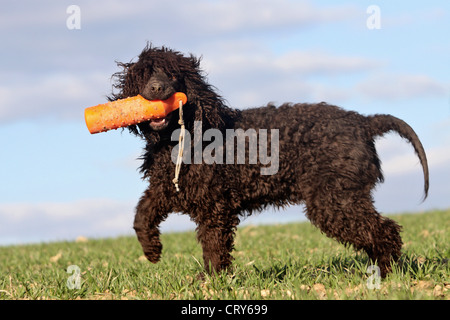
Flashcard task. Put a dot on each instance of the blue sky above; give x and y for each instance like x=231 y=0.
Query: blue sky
x=59 y=182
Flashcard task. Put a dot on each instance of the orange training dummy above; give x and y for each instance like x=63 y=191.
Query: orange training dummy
x=129 y=111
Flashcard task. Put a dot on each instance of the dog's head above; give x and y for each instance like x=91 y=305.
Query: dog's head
x=158 y=74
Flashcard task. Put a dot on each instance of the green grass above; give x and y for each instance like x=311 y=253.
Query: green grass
x=293 y=261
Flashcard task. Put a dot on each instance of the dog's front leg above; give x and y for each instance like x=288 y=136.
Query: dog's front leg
x=217 y=240
x=146 y=224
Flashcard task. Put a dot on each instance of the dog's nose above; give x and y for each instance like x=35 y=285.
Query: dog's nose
x=156 y=88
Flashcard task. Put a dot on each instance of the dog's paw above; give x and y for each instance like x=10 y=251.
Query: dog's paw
x=201 y=276
x=153 y=257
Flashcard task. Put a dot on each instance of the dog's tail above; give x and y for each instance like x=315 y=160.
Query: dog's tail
x=381 y=124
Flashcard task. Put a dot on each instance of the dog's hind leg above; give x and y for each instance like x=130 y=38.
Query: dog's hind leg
x=149 y=214
x=350 y=217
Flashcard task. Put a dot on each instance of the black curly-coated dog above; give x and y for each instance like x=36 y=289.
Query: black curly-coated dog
x=320 y=155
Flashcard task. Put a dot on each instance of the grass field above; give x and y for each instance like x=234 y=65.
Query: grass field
x=293 y=261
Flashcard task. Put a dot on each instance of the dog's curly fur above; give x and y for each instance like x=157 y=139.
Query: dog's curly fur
x=327 y=160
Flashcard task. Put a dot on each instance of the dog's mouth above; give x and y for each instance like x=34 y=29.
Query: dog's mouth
x=160 y=123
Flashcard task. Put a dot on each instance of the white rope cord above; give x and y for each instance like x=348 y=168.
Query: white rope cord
x=180 y=149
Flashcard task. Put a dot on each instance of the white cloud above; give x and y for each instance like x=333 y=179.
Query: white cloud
x=238 y=15
x=55 y=221
x=29 y=14
x=57 y=95
x=403 y=187
x=398 y=157
x=401 y=86
x=30 y=222
x=212 y=17
x=245 y=78
x=249 y=74
x=237 y=57
x=62 y=211
x=207 y=17
x=64 y=53
x=407 y=18
x=318 y=62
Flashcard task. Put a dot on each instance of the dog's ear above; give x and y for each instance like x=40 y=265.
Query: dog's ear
x=207 y=106
x=124 y=81
x=123 y=85
x=195 y=63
